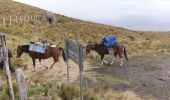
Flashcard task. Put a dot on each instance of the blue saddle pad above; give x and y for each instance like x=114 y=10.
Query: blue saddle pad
x=109 y=41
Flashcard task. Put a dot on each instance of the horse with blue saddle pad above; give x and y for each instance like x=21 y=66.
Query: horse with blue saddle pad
x=108 y=43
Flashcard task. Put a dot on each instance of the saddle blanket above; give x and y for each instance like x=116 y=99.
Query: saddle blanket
x=37 y=47
x=109 y=41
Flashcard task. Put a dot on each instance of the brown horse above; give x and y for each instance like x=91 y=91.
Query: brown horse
x=102 y=51
x=53 y=52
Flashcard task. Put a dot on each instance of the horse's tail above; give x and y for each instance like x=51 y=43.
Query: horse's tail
x=63 y=53
x=125 y=53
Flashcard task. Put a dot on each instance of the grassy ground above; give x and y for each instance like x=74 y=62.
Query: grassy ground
x=58 y=91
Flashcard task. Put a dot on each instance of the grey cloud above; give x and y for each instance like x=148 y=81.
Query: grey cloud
x=133 y=14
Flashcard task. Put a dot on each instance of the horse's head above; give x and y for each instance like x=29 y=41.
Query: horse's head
x=19 y=51
x=89 y=47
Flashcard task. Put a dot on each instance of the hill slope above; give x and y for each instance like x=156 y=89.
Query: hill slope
x=136 y=42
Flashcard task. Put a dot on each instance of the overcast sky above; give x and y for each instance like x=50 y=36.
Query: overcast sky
x=152 y=15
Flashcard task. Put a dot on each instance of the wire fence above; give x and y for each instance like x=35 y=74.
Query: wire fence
x=18 y=19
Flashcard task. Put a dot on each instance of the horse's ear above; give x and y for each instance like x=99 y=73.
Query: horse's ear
x=89 y=42
x=18 y=46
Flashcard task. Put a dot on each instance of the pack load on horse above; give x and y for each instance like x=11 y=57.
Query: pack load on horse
x=9 y=59
x=41 y=51
x=39 y=47
x=46 y=42
x=108 y=43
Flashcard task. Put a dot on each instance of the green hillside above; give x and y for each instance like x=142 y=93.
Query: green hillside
x=23 y=32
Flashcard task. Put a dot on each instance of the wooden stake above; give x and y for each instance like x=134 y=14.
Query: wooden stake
x=16 y=19
x=21 y=18
x=81 y=69
x=28 y=18
x=31 y=18
x=6 y=65
x=10 y=21
x=21 y=84
x=25 y=18
x=66 y=46
x=4 y=23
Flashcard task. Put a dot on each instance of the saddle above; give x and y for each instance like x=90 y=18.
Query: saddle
x=38 y=47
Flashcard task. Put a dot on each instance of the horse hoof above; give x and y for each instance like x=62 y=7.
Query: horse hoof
x=121 y=65
x=112 y=62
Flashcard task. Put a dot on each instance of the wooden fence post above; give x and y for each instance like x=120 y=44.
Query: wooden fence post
x=31 y=18
x=4 y=23
x=28 y=18
x=16 y=19
x=10 y=21
x=25 y=18
x=81 y=69
x=6 y=65
x=35 y=17
x=39 y=18
x=21 y=84
x=21 y=18
x=66 y=47
x=74 y=51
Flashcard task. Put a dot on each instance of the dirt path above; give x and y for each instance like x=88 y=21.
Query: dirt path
x=55 y=73
x=148 y=75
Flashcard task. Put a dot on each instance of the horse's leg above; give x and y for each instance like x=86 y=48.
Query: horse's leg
x=120 y=53
x=52 y=65
x=102 y=60
x=42 y=64
x=33 y=60
x=121 y=64
x=56 y=59
x=114 y=53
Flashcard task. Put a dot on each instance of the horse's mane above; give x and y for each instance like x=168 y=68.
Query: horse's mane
x=26 y=45
x=98 y=45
